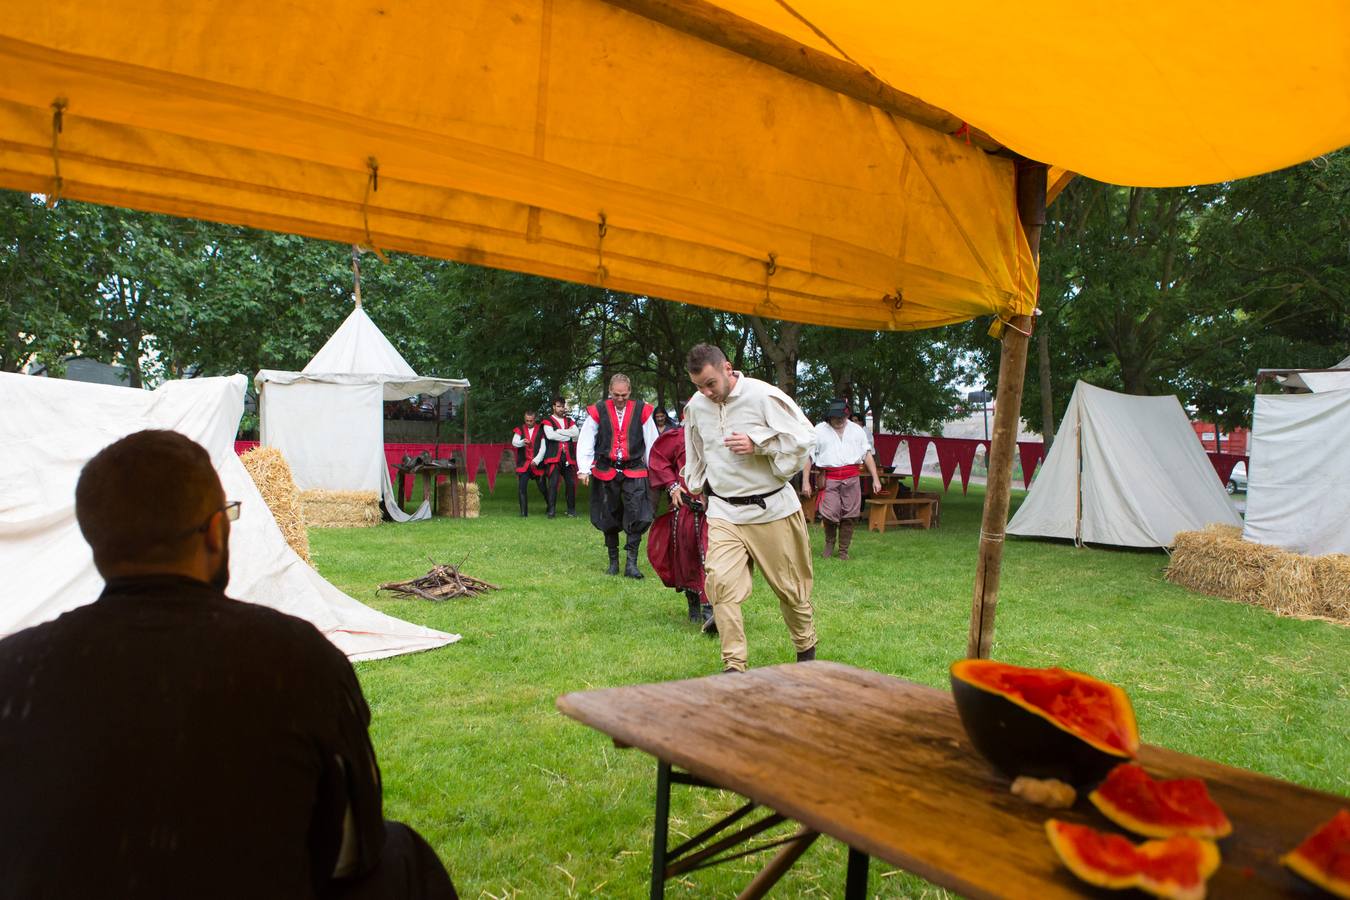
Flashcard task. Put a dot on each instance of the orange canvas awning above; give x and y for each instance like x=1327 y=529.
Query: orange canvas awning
x=580 y=140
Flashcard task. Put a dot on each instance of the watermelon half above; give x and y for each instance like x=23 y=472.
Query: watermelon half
x=1045 y=723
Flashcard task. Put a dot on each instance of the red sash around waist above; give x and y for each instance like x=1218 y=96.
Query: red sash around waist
x=841 y=473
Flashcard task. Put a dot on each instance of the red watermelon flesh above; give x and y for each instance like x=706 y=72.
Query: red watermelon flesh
x=1134 y=800
x=1324 y=858
x=1093 y=709
x=1176 y=868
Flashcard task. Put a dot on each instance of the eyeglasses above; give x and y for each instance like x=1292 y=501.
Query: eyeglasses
x=231 y=510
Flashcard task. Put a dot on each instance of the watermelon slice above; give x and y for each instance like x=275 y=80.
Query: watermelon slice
x=1324 y=858
x=1132 y=799
x=1176 y=868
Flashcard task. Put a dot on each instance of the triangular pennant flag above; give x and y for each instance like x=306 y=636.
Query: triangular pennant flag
x=946 y=454
x=965 y=458
x=885 y=452
x=492 y=457
x=473 y=458
x=1031 y=453
x=918 y=449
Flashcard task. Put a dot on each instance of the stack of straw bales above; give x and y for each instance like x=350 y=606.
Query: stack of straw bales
x=1218 y=561
x=469 y=501
x=269 y=471
x=340 y=509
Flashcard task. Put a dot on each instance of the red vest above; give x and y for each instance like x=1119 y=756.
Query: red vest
x=525 y=455
x=619 y=448
x=558 y=451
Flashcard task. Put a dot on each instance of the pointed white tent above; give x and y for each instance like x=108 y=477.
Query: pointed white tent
x=1123 y=470
x=52 y=427
x=1298 y=486
x=328 y=420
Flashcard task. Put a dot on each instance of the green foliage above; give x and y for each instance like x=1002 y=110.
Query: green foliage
x=45 y=294
x=1191 y=290
x=521 y=801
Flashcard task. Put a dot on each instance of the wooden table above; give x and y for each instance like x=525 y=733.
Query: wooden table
x=884 y=766
x=430 y=473
x=923 y=509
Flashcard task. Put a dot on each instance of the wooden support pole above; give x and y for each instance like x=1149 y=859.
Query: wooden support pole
x=714 y=25
x=1012 y=370
x=779 y=865
x=356 y=274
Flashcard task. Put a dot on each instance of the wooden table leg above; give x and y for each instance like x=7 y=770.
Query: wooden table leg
x=660 y=831
x=855 y=888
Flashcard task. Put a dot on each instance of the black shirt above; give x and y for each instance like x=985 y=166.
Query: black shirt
x=167 y=741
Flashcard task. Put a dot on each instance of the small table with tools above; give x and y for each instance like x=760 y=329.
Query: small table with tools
x=430 y=471
x=884 y=766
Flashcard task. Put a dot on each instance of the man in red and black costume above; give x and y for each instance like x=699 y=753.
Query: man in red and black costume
x=615 y=439
x=528 y=439
x=678 y=541
x=560 y=462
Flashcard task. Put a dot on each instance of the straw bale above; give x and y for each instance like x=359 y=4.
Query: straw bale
x=1219 y=562
x=1310 y=586
x=443 y=490
x=473 y=503
x=271 y=473
x=340 y=509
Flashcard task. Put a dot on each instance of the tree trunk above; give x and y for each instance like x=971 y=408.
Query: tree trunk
x=1047 y=400
x=782 y=352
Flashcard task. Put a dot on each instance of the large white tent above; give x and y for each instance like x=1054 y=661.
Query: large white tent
x=1123 y=470
x=52 y=427
x=1298 y=485
x=328 y=419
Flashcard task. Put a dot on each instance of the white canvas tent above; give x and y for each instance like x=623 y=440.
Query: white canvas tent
x=1123 y=470
x=1298 y=484
x=52 y=427
x=1336 y=378
x=328 y=421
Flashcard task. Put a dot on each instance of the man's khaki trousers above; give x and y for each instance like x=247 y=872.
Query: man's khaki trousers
x=782 y=550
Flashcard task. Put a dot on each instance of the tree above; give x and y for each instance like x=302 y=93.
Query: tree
x=45 y=292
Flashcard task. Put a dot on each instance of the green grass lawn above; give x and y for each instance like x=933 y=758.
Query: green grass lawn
x=521 y=801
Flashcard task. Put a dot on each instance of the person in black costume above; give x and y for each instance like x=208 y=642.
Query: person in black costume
x=612 y=448
x=528 y=440
x=168 y=741
x=560 y=460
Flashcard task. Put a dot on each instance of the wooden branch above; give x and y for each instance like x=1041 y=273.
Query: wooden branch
x=716 y=26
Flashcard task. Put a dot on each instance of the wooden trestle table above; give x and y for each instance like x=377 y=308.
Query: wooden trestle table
x=884 y=766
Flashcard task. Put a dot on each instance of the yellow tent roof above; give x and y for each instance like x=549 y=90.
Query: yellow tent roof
x=582 y=140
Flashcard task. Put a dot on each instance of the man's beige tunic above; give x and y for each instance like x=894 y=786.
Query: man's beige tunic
x=773 y=535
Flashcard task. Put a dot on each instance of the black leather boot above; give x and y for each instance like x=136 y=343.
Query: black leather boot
x=806 y=655
x=709 y=623
x=630 y=569
x=693 y=607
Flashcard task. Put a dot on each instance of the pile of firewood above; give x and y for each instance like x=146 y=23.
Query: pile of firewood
x=443 y=582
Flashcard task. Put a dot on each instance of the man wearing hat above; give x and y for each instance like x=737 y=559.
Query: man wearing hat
x=842 y=449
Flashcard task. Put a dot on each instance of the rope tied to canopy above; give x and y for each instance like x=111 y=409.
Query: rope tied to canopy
x=372 y=187
x=58 y=125
x=770 y=269
x=601 y=273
